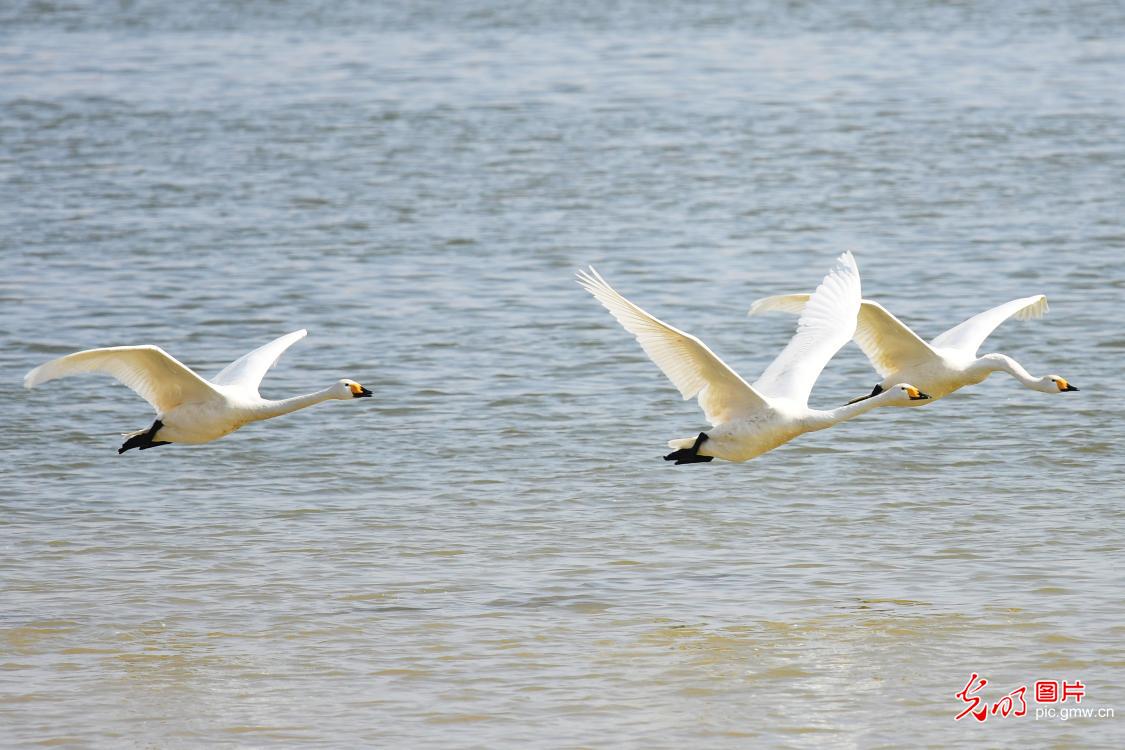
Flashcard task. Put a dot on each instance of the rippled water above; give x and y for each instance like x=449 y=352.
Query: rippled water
x=491 y=552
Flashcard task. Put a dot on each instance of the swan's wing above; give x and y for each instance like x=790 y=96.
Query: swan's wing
x=827 y=323
x=968 y=336
x=889 y=343
x=688 y=363
x=248 y=370
x=152 y=373
x=788 y=303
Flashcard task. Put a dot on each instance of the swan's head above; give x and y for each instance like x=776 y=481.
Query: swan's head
x=903 y=394
x=1055 y=384
x=351 y=389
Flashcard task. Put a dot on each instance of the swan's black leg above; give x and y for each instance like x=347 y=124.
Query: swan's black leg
x=874 y=392
x=144 y=440
x=690 y=455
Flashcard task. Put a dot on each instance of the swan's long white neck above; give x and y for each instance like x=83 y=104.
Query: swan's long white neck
x=821 y=420
x=990 y=363
x=270 y=409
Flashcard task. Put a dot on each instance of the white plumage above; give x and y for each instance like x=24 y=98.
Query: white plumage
x=947 y=363
x=749 y=420
x=190 y=409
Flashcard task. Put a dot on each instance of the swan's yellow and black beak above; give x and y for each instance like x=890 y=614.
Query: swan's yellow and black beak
x=916 y=395
x=358 y=391
x=1064 y=386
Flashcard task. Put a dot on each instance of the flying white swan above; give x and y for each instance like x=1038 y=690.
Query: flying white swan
x=749 y=420
x=947 y=363
x=188 y=408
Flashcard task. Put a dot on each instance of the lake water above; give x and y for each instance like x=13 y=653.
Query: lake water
x=491 y=553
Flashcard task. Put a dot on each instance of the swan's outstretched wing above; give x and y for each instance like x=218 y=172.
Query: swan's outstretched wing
x=889 y=343
x=688 y=363
x=248 y=370
x=968 y=336
x=827 y=323
x=787 y=303
x=152 y=373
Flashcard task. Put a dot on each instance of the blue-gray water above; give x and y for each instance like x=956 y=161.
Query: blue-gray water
x=491 y=553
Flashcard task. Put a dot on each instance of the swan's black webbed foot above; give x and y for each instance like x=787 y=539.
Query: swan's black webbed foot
x=690 y=455
x=143 y=441
x=874 y=392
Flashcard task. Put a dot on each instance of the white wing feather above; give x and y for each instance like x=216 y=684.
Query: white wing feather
x=152 y=373
x=248 y=370
x=968 y=336
x=890 y=345
x=827 y=323
x=689 y=364
x=787 y=303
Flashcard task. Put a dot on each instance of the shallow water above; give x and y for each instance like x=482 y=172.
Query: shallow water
x=491 y=552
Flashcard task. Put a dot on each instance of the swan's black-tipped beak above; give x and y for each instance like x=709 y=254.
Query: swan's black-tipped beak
x=1069 y=387
x=361 y=393
x=874 y=392
x=919 y=396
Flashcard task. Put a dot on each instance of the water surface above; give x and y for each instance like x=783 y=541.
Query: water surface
x=491 y=553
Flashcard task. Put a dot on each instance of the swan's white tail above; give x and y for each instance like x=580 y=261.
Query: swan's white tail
x=681 y=442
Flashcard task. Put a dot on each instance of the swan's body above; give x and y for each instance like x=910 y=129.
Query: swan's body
x=190 y=409
x=941 y=366
x=749 y=420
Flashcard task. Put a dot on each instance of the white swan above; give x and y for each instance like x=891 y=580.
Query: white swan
x=947 y=363
x=749 y=420
x=188 y=408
